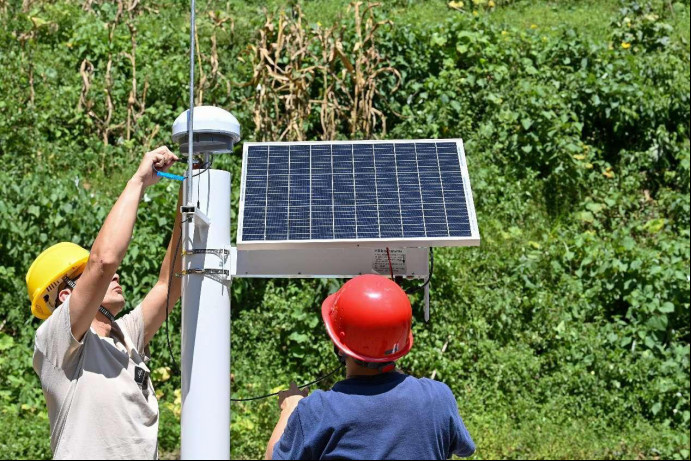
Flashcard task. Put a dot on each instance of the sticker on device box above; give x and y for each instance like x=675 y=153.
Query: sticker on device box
x=381 y=265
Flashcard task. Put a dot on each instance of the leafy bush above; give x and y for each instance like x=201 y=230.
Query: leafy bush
x=566 y=334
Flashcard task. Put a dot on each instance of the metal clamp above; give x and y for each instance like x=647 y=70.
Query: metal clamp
x=207 y=251
x=199 y=218
x=225 y=263
x=203 y=271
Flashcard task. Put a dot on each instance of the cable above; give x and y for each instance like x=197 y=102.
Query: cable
x=206 y=167
x=170 y=282
x=431 y=270
x=273 y=394
x=199 y=182
x=388 y=255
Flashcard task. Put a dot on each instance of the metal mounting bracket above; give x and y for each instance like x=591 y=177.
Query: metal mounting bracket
x=203 y=271
x=199 y=251
x=225 y=254
x=200 y=219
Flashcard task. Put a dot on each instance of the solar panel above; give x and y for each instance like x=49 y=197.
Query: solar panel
x=363 y=193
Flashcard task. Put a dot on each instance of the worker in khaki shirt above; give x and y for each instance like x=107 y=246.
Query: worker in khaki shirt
x=93 y=371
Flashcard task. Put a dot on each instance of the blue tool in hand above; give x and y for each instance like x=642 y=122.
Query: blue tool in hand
x=163 y=174
x=176 y=177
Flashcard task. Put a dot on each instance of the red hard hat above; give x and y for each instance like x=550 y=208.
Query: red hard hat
x=369 y=319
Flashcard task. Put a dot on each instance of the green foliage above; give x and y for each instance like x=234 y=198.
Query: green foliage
x=566 y=334
x=640 y=26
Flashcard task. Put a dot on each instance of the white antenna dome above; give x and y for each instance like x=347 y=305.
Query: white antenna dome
x=215 y=130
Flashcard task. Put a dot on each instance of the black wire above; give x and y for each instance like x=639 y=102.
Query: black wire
x=172 y=272
x=206 y=167
x=320 y=379
x=431 y=270
x=273 y=394
x=199 y=182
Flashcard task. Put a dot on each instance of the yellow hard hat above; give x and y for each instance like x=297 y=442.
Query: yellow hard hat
x=48 y=272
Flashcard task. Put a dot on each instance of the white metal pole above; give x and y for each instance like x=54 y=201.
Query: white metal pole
x=205 y=425
x=190 y=114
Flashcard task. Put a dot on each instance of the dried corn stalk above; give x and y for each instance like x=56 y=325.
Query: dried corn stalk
x=282 y=74
x=290 y=57
x=365 y=72
x=103 y=113
x=208 y=81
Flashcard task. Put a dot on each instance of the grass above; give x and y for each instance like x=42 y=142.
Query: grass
x=576 y=439
x=423 y=12
x=681 y=24
x=588 y=17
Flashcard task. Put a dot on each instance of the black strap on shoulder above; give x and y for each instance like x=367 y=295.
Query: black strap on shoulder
x=106 y=313
x=70 y=283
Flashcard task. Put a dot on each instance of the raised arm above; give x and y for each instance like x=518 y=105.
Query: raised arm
x=112 y=241
x=288 y=402
x=168 y=286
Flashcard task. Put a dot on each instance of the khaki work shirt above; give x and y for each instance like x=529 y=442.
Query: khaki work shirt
x=97 y=409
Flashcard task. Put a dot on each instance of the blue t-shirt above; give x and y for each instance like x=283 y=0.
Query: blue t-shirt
x=387 y=416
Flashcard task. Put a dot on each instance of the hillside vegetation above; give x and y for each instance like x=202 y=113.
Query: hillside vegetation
x=564 y=335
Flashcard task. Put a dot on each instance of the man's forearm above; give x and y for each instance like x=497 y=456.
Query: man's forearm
x=107 y=253
x=115 y=235
x=111 y=244
x=280 y=427
x=162 y=298
x=167 y=265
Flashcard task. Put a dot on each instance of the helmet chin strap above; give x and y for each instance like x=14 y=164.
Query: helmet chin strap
x=383 y=367
x=341 y=357
x=70 y=283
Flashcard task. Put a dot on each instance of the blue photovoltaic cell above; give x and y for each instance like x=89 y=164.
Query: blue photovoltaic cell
x=317 y=191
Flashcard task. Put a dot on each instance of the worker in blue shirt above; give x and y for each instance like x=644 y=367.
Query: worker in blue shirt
x=377 y=412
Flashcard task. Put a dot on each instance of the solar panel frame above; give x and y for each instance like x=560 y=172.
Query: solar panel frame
x=472 y=240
